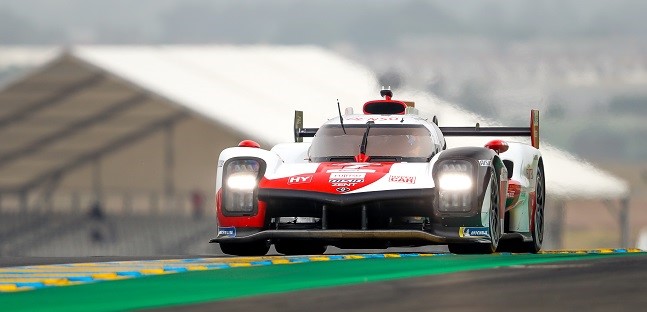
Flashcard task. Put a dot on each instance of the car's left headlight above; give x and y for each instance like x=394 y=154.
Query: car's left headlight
x=241 y=177
x=455 y=181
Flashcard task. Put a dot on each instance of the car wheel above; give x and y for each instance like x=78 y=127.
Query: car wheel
x=537 y=231
x=245 y=249
x=538 y=216
x=293 y=248
x=494 y=226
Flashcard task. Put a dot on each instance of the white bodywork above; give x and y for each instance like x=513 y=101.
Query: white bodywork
x=291 y=159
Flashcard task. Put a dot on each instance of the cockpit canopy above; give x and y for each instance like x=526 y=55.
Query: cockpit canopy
x=386 y=142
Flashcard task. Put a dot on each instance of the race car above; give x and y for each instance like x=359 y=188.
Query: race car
x=383 y=178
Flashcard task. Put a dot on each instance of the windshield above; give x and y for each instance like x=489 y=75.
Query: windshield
x=385 y=143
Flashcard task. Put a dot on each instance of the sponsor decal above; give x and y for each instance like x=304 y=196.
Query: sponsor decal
x=227 y=232
x=343 y=184
x=221 y=163
x=529 y=172
x=350 y=170
x=346 y=168
x=300 y=179
x=347 y=175
x=484 y=162
x=346 y=181
x=402 y=179
x=473 y=232
x=367 y=118
x=343 y=189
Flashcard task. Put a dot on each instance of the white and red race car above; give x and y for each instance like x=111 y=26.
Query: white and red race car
x=384 y=178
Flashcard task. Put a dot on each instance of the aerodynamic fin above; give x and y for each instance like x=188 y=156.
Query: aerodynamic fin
x=532 y=131
x=299 y=131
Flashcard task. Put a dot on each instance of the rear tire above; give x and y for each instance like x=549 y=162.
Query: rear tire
x=245 y=249
x=294 y=248
x=538 y=217
x=537 y=233
x=494 y=225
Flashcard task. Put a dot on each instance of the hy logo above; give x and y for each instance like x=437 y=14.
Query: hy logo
x=342 y=189
x=300 y=179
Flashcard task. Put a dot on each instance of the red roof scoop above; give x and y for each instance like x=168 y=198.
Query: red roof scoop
x=386 y=106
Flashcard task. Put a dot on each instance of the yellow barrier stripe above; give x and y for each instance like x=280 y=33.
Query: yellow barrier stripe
x=281 y=261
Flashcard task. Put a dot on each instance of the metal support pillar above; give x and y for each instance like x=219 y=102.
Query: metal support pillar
x=23 y=202
x=96 y=180
x=623 y=218
x=128 y=204
x=169 y=167
x=153 y=203
x=45 y=202
x=554 y=231
x=75 y=202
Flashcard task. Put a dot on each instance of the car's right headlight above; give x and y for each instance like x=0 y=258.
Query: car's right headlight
x=455 y=185
x=241 y=177
x=242 y=181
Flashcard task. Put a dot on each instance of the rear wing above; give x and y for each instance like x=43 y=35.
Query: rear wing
x=532 y=131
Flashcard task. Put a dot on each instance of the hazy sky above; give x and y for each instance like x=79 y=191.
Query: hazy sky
x=322 y=22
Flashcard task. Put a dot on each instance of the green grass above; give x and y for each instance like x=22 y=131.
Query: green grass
x=197 y=287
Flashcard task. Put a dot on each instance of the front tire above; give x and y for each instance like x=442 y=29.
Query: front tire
x=246 y=249
x=494 y=225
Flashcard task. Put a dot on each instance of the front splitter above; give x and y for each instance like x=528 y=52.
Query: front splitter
x=336 y=235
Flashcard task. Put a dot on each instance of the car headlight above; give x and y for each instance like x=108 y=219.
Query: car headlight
x=455 y=186
x=241 y=178
x=455 y=181
x=242 y=181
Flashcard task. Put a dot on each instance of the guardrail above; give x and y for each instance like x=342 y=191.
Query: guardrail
x=114 y=202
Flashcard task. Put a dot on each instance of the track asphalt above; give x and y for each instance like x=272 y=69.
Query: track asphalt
x=603 y=284
x=202 y=280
